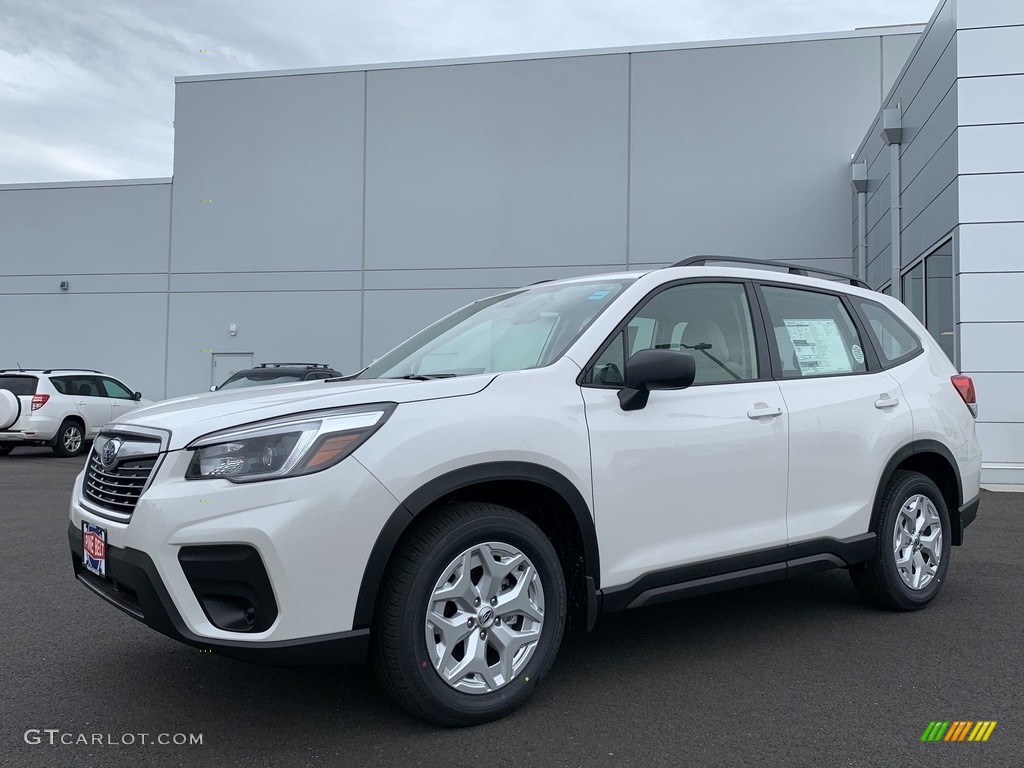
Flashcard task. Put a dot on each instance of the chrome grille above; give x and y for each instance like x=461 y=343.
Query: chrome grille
x=115 y=489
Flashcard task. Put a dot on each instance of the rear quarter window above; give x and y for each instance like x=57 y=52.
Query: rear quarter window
x=19 y=385
x=892 y=339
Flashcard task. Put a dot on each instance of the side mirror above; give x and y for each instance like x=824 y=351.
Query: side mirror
x=213 y=388
x=137 y=396
x=655 y=369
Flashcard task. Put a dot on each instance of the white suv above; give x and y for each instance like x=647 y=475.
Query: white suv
x=59 y=407
x=537 y=458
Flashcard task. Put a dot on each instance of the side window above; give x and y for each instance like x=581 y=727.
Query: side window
x=892 y=338
x=711 y=321
x=61 y=384
x=85 y=386
x=814 y=333
x=116 y=389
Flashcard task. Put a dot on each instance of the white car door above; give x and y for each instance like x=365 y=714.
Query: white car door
x=699 y=474
x=92 y=402
x=122 y=400
x=846 y=416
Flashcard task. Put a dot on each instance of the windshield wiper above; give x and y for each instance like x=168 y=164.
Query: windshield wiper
x=424 y=376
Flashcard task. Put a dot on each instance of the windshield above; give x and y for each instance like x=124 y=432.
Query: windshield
x=511 y=332
x=259 y=380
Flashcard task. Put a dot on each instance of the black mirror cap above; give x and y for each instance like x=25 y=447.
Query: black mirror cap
x=655 y=369
x=137 y=396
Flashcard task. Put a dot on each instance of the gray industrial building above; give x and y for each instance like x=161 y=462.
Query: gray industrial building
x=327 y=214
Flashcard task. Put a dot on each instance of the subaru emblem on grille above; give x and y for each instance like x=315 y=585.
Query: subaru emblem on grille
x=110 y=450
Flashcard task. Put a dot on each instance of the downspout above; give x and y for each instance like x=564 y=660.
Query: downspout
x=892 y=134
x=859 y=180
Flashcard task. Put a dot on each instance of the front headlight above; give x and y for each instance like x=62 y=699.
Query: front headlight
x=285 y=447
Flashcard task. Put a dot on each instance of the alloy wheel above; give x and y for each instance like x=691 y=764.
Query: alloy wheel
x=484 y=617
x=917 y=541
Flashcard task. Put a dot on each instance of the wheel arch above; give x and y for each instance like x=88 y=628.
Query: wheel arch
x=544 y=495
x=933 y=460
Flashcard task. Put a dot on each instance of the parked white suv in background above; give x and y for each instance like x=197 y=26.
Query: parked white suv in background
x=58 y=407
x=536 y=458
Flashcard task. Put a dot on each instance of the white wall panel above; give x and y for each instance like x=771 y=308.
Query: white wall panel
x=993 y=297
x=992 y=248
x=1000 y=396
x=1001 y=443
x=992 y=197
x=992 y=148
x=988 y=13
x=984 y=100
x=991 y=51
x=992 y=347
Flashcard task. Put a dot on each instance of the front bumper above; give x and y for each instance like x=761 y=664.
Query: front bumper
x=133 y=585
x=294 y=548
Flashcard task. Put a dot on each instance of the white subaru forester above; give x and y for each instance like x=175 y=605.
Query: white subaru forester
x=538 y=458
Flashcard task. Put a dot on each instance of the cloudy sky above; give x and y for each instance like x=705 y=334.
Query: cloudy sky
x=87 y=88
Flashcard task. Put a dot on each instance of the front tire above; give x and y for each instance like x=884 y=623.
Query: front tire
x=471 y=615
x=912 y=554
x=70 y=439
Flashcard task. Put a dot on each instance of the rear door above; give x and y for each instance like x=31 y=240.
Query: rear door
x=846 y=415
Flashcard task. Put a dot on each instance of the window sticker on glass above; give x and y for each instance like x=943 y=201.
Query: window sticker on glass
x=598 y=295
x=819 y=347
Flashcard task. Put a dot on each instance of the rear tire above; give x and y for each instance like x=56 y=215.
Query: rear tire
x=913 y=546
x=70 y=439
x=471 y=615
x=5 y=449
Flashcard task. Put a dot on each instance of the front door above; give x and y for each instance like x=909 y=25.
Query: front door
x=699 y=474
x=92 y=402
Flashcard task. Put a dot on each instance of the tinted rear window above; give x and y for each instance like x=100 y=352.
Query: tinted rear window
x=19 y=385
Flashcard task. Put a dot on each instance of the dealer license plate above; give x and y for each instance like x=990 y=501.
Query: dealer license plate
x=94 y=548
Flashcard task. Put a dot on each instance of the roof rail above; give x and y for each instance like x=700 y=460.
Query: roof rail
x=46 y=370
x=793 y=269
x=297 y=365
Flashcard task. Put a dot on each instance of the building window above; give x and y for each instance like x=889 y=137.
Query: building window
x=928 y=293
x=913 y=290
x=938 y=275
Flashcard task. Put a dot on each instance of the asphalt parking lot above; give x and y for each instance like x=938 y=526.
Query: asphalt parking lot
x=799 y=673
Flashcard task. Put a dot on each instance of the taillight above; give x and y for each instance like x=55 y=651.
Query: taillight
x=965 y=387
x=38 y=401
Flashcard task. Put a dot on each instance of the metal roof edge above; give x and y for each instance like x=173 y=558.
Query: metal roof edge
x=908 y=29
x=87 y=183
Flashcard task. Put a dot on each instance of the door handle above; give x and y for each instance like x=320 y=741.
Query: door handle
x=887 y=402
x=760 y=411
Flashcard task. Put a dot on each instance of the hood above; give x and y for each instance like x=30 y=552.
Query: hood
x=187 y=418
